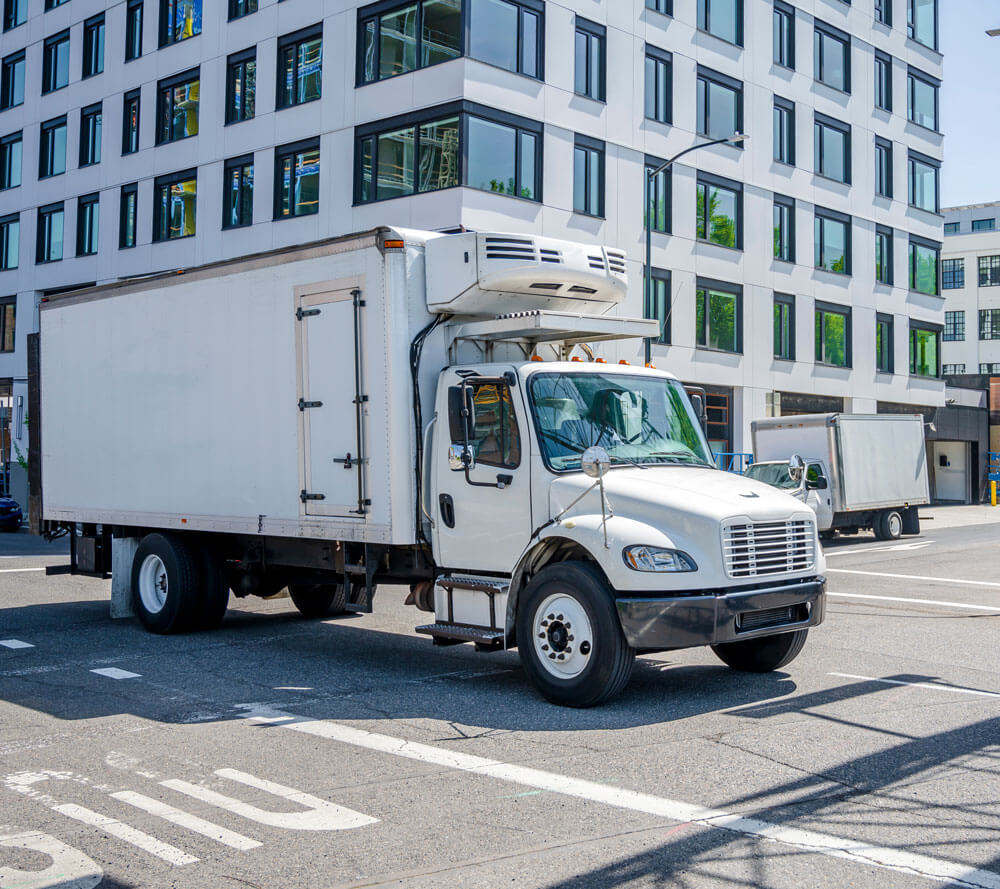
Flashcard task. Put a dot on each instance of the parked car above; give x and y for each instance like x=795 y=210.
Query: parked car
x=10 y=514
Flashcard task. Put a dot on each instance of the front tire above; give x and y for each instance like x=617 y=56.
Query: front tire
x=569 y=637
x=166 y=584
x=764 y=654
x=318 y=599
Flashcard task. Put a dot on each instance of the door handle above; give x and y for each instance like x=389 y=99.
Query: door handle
x=447 y=510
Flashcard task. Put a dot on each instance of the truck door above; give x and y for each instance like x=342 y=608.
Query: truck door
x=331 y=404
x=818 y=495
x=482 y=512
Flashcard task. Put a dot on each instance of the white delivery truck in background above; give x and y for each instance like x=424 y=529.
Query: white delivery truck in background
x=408 y=407
x=861 y=470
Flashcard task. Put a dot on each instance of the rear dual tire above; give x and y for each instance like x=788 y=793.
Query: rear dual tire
x=314 y=600
x=888 y=525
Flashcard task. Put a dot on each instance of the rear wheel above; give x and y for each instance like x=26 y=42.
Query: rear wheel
x=318 y=599
x=166 y=584
x=764 y=654
x=890 y=525
x=569 y=637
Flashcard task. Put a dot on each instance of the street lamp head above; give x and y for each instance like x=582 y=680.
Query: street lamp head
x=993 y=32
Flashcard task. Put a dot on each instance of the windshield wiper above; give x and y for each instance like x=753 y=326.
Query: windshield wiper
x=620 y=458
x=690 y=458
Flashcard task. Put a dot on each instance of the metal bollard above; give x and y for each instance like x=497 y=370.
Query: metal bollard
x=993 y=493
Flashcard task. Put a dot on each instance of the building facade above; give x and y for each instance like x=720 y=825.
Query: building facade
x=798 y=271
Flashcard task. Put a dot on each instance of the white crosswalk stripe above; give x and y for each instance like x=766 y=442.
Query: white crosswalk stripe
x=187 y=820
x=137 y=838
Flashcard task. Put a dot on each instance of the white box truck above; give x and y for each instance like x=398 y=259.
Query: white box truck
x=406 y=407
x=861 y=470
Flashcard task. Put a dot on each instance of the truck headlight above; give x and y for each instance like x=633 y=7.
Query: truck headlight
x=654 y=558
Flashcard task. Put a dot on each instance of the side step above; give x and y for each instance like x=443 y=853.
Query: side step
x=489 y=585
x=456 y=634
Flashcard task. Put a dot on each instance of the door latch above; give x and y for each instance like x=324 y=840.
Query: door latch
x=305 y=496
x=305 y=313
x=305 y=405
x=349 y=462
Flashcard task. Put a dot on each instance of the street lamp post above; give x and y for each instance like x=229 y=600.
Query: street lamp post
x=735 y=139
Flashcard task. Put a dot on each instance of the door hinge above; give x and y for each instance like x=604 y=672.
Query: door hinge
x=305 y=405
x=305 y=313
x=349 y=461
x=305 y=496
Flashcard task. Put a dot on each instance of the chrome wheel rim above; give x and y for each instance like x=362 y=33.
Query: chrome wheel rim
x=895 y=525
x=562 y=636
x=153 y=585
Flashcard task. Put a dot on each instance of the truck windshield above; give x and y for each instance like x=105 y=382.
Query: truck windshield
x=642 y=420
x=775 y=474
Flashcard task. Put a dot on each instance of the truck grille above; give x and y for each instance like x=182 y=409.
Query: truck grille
x=755 y=548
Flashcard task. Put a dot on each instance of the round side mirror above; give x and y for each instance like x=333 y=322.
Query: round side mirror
x=595 y=462
x=796 y=467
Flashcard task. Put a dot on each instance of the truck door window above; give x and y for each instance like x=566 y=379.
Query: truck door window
x=814 y=473
x=496 y=437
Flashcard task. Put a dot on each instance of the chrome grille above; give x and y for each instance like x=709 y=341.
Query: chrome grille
x=755 y=548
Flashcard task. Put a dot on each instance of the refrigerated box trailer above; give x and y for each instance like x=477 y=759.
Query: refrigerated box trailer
x=409 y=407
x=861 y=470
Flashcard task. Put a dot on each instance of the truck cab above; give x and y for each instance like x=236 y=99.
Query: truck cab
x=812 y=486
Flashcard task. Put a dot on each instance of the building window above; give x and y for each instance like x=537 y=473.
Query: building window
x=993 y=368
x=237 y=192
x=832 y=236
x=11 y=153
x=177 y=101
x=130 y=123
x=588 y=176
x=784 y=35
x=954 y=325
x=833 y=335
x=883 y=254
x=884 y=345
x=55 y=62
x=659 y=85
x=719 y=211
x=660 y=196
x=52 y=148
x=179 y=20
x=8 y=312
x=241 y=86
x=296 y=179
x=989 y=324
x=15 y=12
x=10 y=241
x=983 y=225
x=175 y=201
x=952 y=369
x=832 y=57
x=591 y=61
x=989 y=271
x=240 y=8
x=923 y=178
x=924 y=257
x=952 y=274
x=664 y=6
x=90 y=135
x=922 y=21
x=832 y=148
x=508 y=34
x=53 y=4
x=784 y=131
x=49 y=239
x=784 y=326
x=784 y=228
x=719 y=315
x=883 y=12
x=88 y=213
x=128 y=212
x=922 y=99
x=300 y=67
x=883 y=81
x=952 y=228
x=723 y=18
x=925 y=350
x=12 y=81
x=133 y=30
x=883 y=167
x=720 y=104
x=93 y=46
x=658 y=303
x=413 y=35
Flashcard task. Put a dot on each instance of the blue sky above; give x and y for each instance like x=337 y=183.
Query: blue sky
x=970 y=102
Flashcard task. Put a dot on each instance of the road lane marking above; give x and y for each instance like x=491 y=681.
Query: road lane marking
x=15 y=643
x=916 y=544
x=836 y=847
x=115 y=673
x=930 y=685
x=964 y=606
x=70 y=869
x=187 y=820
x=915 y=577
x=19 y=570
x=319 y=814
x=144 y=841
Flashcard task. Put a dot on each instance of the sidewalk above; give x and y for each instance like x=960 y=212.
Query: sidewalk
x=959 y=516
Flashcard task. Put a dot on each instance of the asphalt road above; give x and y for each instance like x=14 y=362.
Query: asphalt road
x=278 y=752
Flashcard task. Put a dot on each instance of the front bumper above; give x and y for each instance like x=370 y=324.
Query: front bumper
x=710 y=619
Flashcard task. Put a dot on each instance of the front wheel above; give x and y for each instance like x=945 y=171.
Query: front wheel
x=764 y=654
x=569 y=637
